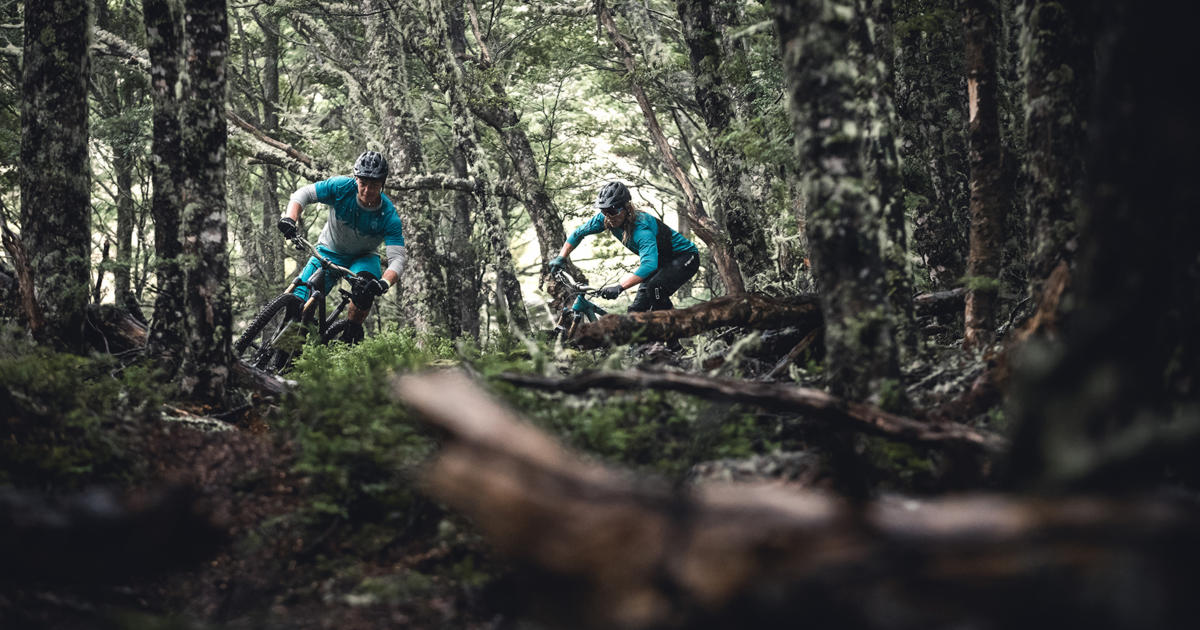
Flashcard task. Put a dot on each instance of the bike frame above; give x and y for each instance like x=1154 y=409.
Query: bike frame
x=316 y=286
x=582 y=308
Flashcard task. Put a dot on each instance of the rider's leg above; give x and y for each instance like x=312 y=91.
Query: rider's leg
x=367 y=266
x=654 y=294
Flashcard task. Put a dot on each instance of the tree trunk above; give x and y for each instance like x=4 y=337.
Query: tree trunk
x=1056 y=65
x=207 y=351
x=875 y=33
x=271 y=248
x=506 y=273
x=1114 y=402
x=930 y=101
x=743 y=223
x=426 y=285
x=987 y=175
x=844 y=220
x=55 y=176
x=164 y=43
x=703 y=225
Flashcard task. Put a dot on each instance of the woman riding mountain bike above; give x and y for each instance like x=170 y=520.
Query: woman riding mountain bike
x=667 y=258
x=360 y=218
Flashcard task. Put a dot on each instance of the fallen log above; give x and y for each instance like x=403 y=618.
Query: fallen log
x=940 y=302
x=781 y=397
x=115 y=331
x=602 y=548
x=747 y=310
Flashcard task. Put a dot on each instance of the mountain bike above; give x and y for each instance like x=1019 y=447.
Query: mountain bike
x=278 y=332
x=581 y=309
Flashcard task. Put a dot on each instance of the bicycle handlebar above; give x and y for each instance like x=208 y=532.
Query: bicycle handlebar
x=566 y=280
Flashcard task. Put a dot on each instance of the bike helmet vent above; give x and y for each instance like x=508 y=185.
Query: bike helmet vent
x=613 y=195
x=371 y=165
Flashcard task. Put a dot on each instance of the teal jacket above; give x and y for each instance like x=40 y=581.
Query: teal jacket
x=648 y=234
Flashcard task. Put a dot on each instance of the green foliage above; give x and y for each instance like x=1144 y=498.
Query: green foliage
x=71 y=420
x=902 y=465
x=355 y=444
x=981 y=283
x=665 y=432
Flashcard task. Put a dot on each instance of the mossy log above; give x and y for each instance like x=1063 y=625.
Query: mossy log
x=603 y=548
x=781 y=397
x=747 y=310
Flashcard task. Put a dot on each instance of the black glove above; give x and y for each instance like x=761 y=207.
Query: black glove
x=610 y=292
x=287 y=226
x=377 y=286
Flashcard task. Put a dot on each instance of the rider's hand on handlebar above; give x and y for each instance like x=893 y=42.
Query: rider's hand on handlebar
x=377 y=286
x=287 y=226
x=610 y=292
x=557 y=263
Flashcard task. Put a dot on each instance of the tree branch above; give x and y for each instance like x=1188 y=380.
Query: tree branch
x=809 y=402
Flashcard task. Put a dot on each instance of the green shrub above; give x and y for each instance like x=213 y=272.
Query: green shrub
x=355 y=444
x=70 y=420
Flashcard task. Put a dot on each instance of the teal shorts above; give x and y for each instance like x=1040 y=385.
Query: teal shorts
x=369 y=263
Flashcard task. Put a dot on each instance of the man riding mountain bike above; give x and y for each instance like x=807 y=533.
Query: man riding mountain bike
x=360 y=218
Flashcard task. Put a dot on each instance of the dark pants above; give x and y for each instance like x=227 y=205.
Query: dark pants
x=654 y=294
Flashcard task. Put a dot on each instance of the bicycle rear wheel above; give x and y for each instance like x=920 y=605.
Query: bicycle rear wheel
x=344 y=330
x=273 y=336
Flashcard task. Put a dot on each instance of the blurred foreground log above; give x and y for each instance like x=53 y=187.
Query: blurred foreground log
x=97 y=536
x=747 y=310
x=603 y=548
x=806 y=401
x=115 y=331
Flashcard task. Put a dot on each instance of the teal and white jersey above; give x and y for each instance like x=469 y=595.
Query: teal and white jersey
x=352 y=229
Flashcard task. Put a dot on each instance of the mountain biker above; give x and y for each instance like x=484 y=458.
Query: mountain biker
x=360 y=218
x=667 y=258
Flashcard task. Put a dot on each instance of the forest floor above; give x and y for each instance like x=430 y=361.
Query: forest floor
x=290 y=560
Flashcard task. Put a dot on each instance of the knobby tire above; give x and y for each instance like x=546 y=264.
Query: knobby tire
x=265 y=357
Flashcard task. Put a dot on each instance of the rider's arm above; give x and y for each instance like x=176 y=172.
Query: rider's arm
x=302 y=197
x=594 y=226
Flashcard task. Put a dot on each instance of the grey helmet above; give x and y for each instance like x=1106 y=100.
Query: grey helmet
x=613 y=195
x=371 y=165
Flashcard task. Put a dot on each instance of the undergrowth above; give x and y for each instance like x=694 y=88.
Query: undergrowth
x=71 y=420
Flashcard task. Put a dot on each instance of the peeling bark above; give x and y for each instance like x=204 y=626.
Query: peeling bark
x=981 y=20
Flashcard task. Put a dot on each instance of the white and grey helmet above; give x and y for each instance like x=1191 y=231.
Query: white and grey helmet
x=371 y=165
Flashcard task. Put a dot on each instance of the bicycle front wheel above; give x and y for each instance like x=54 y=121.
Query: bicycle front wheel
x=270 y=341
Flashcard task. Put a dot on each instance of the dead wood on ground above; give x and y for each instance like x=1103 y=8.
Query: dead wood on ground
x=603 y=548
x=810 y=402
x=116 y=331
x=747 y=310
